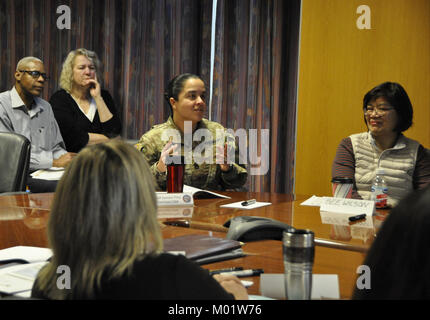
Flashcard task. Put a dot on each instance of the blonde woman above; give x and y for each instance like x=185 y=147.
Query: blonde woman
x=103 y=227
x=85 y=113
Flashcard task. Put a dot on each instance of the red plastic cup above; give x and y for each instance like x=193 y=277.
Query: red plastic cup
x=175 y=174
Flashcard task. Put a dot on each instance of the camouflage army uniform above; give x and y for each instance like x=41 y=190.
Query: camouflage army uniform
x=204 y=175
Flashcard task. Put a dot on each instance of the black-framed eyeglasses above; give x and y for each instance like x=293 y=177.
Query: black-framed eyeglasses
x=36 y=74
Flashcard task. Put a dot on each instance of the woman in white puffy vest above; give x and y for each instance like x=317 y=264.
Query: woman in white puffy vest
x=406 y=163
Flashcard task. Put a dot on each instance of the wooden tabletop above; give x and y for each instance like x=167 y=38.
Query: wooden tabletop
x=288 y=209
x=340 y=249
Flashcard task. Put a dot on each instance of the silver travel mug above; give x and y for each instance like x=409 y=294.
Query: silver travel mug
x=299 y=251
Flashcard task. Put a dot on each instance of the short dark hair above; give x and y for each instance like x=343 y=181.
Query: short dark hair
x=397 y=98
x=398 y=258
x=176 y=85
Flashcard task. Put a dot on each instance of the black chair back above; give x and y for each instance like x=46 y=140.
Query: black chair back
x=14 y=161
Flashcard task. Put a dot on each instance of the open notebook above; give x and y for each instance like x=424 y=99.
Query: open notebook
x=202 y=194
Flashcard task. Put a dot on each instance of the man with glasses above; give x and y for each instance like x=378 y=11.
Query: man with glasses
x=23 y=112
x=387 y=112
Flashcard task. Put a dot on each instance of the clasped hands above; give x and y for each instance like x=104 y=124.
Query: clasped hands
x=171 y=149
x=64 y=159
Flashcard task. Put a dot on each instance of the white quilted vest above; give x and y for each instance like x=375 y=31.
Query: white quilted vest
x=398 y=163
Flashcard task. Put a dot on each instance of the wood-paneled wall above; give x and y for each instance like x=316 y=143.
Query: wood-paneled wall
x=339 y=63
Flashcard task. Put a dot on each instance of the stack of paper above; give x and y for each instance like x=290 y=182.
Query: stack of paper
x=19 y=279
x=53 y=173
x=24 y=254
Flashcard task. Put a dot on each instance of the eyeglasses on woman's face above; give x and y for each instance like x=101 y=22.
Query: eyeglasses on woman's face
x=380 y=109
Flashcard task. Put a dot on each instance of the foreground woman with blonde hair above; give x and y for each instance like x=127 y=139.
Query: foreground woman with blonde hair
x=103 y=226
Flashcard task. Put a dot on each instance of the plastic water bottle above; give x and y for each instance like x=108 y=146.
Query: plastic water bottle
x=379 y=190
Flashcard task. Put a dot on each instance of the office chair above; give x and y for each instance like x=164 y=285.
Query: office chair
x=14 y=161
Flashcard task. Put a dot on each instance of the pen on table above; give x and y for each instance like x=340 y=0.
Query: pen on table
x=248 y=202
x=245 y=273
x=197 y=225
x=357 y=217
x=225 y=270
x=178 y=223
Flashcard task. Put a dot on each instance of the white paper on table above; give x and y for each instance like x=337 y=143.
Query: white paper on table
x=26 y=253
x=19 y=278
x=238 y=205
x=324 y=286
x=53 y=173
x=313 y=201
x=23 y=294
x=197 y=191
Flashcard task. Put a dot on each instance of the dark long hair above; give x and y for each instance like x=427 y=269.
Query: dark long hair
x=399 y=259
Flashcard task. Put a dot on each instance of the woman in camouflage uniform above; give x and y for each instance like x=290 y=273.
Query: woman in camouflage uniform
x=211 y=162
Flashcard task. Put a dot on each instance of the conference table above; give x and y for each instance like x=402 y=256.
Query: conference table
x=340 y=248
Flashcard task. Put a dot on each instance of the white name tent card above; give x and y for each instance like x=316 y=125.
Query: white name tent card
x=165 y=199
x=347 y=206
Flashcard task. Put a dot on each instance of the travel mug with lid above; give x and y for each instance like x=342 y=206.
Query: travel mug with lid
x=299 y=251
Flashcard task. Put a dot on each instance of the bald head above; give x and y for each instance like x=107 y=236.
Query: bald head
x=30 y=79
x=23 y=63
